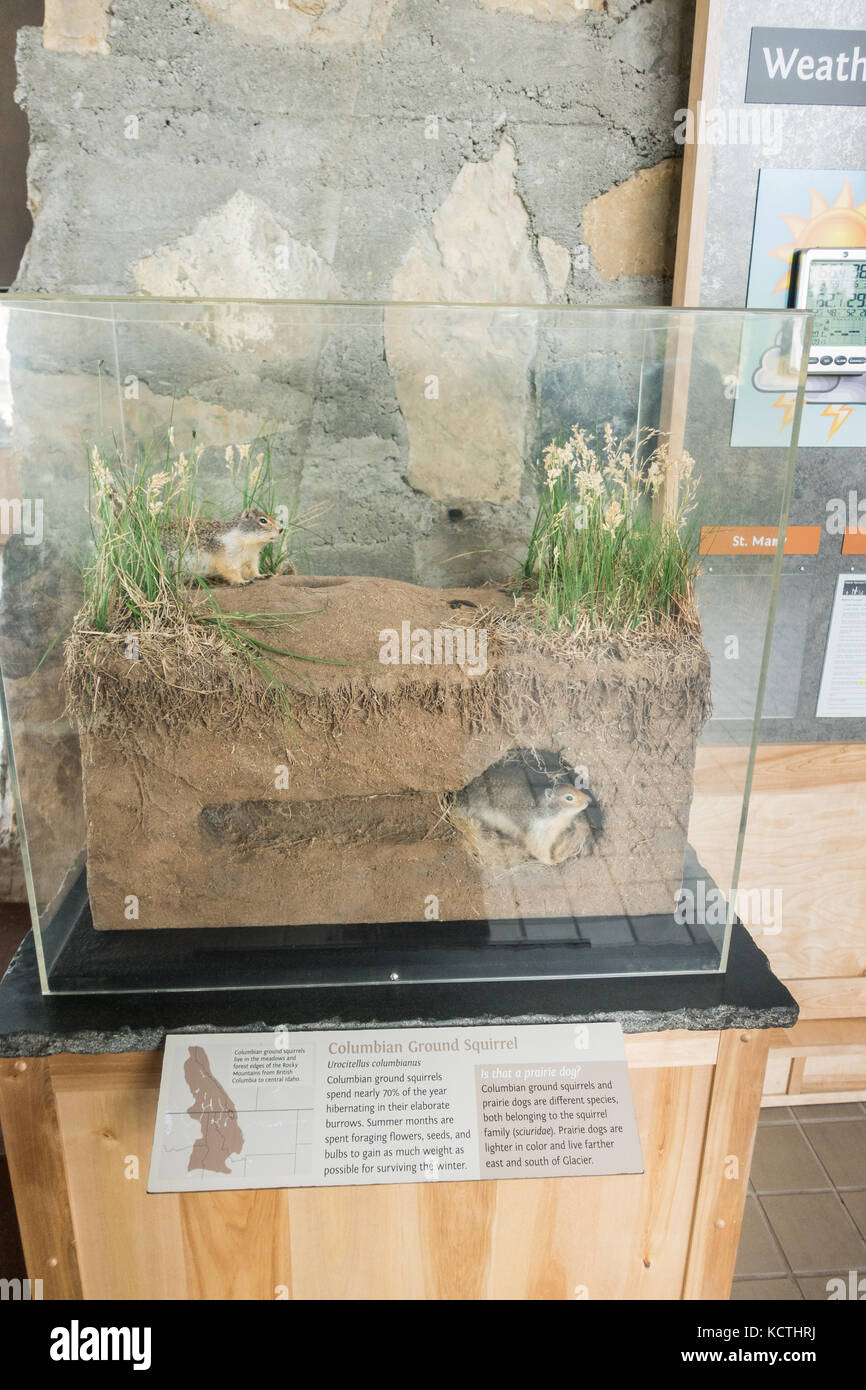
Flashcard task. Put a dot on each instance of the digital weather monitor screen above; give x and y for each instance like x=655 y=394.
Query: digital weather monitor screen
x=837 y=296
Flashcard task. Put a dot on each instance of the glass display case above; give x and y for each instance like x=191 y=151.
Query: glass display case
x=362 y=643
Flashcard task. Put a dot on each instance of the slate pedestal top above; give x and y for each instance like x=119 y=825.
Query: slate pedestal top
x=747 y=996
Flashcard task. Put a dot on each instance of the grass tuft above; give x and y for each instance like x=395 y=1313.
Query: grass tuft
x=612 y=549
x=136 y=585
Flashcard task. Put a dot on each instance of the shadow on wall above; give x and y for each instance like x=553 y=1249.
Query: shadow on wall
x=15 y=223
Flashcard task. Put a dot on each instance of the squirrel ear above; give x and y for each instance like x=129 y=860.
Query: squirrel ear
x=248 y=512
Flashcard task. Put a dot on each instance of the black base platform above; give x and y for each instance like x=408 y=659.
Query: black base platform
x=746 y=996
x=81 y=960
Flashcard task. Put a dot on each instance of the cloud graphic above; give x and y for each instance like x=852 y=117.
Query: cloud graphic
x=774 y=371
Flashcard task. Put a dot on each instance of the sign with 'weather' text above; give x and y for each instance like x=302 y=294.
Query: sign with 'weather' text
x=392 y=1105
x=807 y=67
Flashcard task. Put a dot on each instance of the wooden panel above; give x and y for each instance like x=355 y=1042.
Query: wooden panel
x=835 y=1073
x=784 y=767
x=816 y=1058
x=130 y=1244
x=678 y=1047
x=737 y=1081
x=75 y=1071
x=795 y=1076
x=697 y=158
x=36 y=1165
x=814 y=1098
x=235 y=1244
x=364 y=1242
x=805 y=838
x=828 y=1036
x=522 y=1239
x=537 y=1239
x=835 y=998
x=776 y=1076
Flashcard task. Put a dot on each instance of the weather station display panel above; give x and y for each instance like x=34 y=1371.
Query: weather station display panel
x=832 y=284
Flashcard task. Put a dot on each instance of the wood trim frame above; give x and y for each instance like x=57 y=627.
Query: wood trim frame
x=37 y=1166
x=724 y=1178
x=697 y=158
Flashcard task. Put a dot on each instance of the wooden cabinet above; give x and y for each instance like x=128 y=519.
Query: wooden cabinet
x=79 y=1130
x=806 y=841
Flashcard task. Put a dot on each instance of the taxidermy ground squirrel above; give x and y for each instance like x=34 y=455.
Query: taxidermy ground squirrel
x=227 y=550
x=505 y=800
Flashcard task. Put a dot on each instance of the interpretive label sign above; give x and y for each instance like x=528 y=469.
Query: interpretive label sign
x=843 y=681
x=387 y=1105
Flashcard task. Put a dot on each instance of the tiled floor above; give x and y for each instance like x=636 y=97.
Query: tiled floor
x=805 y=1219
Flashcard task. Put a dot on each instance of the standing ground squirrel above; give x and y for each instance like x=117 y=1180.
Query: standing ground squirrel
x=227 y=550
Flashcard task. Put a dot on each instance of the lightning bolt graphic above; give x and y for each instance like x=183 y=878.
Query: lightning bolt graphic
x=838 y=414
x=785 y=402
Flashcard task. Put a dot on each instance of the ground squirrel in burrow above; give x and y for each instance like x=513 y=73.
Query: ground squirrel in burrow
x=227 y=550
x=504 y=799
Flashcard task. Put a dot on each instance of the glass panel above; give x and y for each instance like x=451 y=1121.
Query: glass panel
x=303 y=682
x=733 y=587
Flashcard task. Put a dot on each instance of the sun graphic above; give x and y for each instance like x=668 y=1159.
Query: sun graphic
x=839 y=224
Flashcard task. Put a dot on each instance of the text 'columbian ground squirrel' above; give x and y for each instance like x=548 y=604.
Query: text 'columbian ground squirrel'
x=228 y=550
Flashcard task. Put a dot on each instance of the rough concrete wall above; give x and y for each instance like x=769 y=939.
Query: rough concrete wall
x=481 y=150
x=350 y=120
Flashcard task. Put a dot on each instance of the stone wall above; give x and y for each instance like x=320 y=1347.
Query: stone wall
x=516 y=151
x=352 y=123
